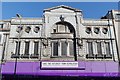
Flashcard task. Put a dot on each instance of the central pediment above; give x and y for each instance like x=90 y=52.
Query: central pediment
x=62 y=8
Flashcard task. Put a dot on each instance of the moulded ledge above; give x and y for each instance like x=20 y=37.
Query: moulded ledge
x=25 y=56
x=90 y=56
x=15 y=56
x=99 y=56
x=34 y=56
x=108 y=56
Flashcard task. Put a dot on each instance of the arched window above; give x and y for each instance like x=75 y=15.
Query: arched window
x=62 y=35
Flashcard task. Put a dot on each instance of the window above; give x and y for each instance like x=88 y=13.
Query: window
x=19 y=28
x=90 y=48
x=108 y=52
x=117 y=16
x=61 y=28
x=27 y=48
x=88 y=30
x=1 y=25
x=71 y=48
x=64 y=48
x=105 y=30
x=27 y=29
x=36 y=29
x=96 y=30
x=55 y=48
x=36 y=45
x=54 y=30
x=17 y=51
x=99 y=48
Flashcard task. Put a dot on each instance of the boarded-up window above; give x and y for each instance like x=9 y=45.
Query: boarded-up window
x=90 y=48
x=107 y=45
x=55 y=48
x=36 y=45
x=17 y=50
x=71 y=47
x=99 y=48
x=64 y=48
x=27 y=48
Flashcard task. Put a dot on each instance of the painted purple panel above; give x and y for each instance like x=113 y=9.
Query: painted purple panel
x=8 y=68
x=88 y=66
x=112 y=67
x=92 y=68
x=25 y=68
x=81 y=64
x=98 y=66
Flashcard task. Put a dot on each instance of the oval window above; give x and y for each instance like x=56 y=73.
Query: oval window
x=88 y=30
x=105 y=30
x=27 y=29
x=96 y=30
x=36 y=29
x=19 y=28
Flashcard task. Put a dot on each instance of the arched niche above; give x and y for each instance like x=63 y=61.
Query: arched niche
x=63 y=40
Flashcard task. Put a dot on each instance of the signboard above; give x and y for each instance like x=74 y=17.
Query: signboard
x=59 y=64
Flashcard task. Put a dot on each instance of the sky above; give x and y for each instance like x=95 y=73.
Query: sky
x=35 y=9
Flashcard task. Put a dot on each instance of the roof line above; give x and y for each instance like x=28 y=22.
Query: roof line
x=63 y=6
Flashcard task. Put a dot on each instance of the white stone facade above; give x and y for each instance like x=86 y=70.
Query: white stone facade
x=61 y=34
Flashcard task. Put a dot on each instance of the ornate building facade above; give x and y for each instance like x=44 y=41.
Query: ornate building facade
x=62 y=34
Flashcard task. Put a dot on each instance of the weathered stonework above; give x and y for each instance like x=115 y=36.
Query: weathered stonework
x=62 y=34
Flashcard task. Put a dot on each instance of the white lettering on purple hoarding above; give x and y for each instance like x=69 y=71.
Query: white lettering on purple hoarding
x=59 y=65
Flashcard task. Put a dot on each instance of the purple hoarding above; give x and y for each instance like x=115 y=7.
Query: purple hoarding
x=85 y=68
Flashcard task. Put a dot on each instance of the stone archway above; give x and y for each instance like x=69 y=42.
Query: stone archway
x=63 y=40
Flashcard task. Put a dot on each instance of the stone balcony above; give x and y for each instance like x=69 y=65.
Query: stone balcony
x=62 y=35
